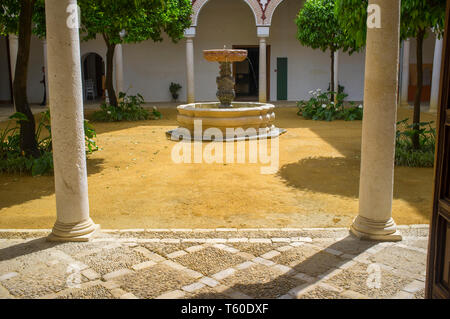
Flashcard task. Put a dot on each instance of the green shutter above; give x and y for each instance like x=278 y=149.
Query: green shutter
x=282 y=78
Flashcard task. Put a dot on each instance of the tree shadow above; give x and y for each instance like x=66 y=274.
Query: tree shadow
x=340 y=176
x=314 y=266
x=39 y=186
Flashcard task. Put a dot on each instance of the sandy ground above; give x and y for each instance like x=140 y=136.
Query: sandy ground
x=133 y=183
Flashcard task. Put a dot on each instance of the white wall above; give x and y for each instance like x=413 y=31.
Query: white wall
x=4 y=75
x=308 y=69
x=35 y=90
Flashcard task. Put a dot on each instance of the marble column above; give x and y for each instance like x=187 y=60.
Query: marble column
x=405 y=73
x=436 y=79
x=44 y=45
x=336 y=71
x=374 y=220
x=262 y=70
x=190 y=80
x=119 y=68
x=64 y=68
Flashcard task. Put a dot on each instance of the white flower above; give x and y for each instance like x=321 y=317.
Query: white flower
x=324 y=105
x=311 y=92
x=109 y=112
x=332 y=103
x=360 y=106
x=319 y=90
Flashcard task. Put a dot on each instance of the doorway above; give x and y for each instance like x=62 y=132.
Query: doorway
x=246 y=74
x=93 y=77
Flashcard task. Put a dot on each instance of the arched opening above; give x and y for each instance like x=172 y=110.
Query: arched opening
x=93 y=77
x=228 y=23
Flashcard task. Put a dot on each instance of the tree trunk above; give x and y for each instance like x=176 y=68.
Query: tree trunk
x=28 y=143
x=8 y=54
x=418 y=97
x=109 y=72
x=332 y=76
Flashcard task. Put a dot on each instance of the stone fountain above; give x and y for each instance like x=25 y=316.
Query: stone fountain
x=255 y=119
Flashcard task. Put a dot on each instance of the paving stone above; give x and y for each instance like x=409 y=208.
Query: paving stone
x=358 y=279
x=207 y=293
x=256 y=249
x=90 y=274
x=414 y=286
x=260 y=282
x=143 y=265
x=93 y=292
x=245 y=265
x=263 y=261
x=224 y=274
x=210 y=260
x=107 y=261
x=193 y=287
x=209 y=281
x=176 y=294
x=320 y=292
x=400 y=258
x=8 y=276
x=155 y=281
x=117 y=273
x=270 y=254
x=176 y=254
x=260 y=240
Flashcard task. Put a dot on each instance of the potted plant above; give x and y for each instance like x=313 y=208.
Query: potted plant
x=174 y=88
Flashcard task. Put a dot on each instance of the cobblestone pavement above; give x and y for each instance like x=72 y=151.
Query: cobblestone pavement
x=221 y=263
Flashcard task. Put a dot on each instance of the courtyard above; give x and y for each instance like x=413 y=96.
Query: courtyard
x=133 y=182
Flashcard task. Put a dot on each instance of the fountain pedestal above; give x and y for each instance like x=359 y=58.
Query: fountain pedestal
x=245 y=120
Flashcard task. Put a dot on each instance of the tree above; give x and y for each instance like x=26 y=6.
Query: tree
x=23 y=17
x=318 y=28
x=140 y=19
x=418 y=17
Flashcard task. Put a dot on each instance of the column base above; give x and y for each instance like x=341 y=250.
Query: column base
x=78 y=232
x=368 y=229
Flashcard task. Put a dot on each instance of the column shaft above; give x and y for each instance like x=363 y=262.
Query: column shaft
x=436 y=79
x=336 y=71
x=13 y=48
x=44 y=44
x=71 y=189
x=262 y=70
x=378 y=133
x=119 y=68
x=405 y=72
x=190 y=86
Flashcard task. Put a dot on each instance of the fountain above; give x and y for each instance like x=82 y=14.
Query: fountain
x=255 y=119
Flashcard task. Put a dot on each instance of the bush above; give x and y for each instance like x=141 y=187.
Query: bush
x=405 y=154
x=128 y=109
x=13 y=160
x=174 y=88
x=320 y=108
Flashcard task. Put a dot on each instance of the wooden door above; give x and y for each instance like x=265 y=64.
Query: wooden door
x=438 y=268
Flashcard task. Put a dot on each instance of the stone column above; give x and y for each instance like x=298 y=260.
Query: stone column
x=13 y=48
x=44 y=45
x=436 y=79
x=64 y=68
x=262 y=70
x=405 y=73
x=336 y=71
x=263 y=34
x=378 y=133
x=190 y=81
x=119 y=68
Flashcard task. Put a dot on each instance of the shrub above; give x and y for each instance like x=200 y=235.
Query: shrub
x=128 y=109
x=405 y=154
x=174 y=88
x=13 y=160
x=320 y=108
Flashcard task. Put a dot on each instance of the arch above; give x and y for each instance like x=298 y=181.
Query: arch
x=98 y=72
x=269 y=10
x=254 y=5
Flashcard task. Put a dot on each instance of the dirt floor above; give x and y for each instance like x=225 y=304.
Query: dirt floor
x=133 y=183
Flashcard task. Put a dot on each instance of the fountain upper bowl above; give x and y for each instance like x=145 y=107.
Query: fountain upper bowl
x=225 y=55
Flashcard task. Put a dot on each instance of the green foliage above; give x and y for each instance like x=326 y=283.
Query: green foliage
x=141 y=19
x=416 y=16
x=318 y=27
x=13 y=160
x=319 y=107
x=405 y=154
x=9 y=17
x=128 y=109
x=174 y=88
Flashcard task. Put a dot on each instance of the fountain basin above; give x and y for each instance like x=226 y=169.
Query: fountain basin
x=255 y=120
x=225 y=55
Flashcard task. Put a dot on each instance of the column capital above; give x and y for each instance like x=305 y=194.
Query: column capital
x=263 y=32
x=13 y=36
x=190 y=32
